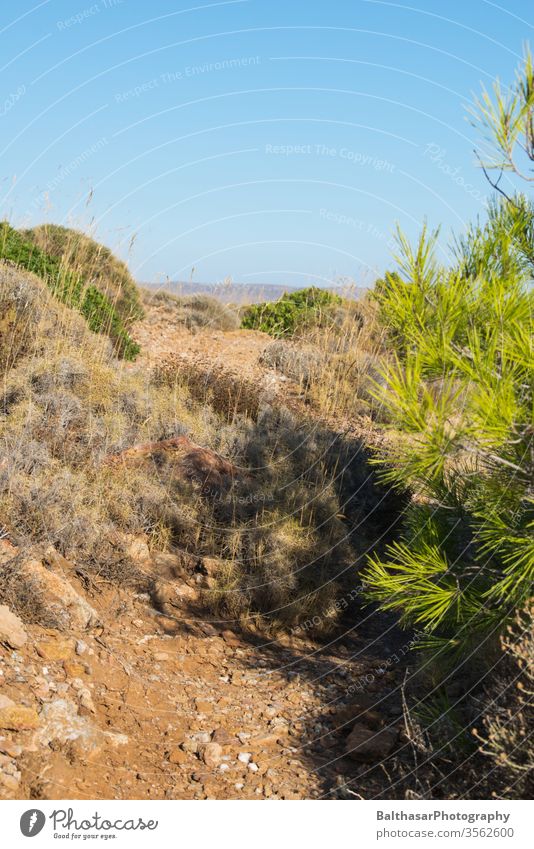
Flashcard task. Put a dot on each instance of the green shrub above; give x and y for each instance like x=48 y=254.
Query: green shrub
x=461 y=393
x=69 y=288
x=102 y=317
x=292 y=312
x=92 y=262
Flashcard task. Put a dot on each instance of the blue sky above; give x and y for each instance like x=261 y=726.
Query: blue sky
x=263 y=141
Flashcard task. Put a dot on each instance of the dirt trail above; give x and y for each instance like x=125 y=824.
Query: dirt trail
x=154 y=706
x=194 y=710
x=160 y=336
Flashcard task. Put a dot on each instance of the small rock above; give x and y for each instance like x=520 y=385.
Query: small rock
x=167 y=595
x=54 y=649
x=19 y=718
x=62 y=722
x=202 y=737
x=73 y=669
x=244 y=757
x=211 y=754
x=12 y=630
x=11 y=749
x=86 y=700
x=81 y=647
x=364 y=744
x=221 y=736
x=253 y=767
x=178 y=756
x=193 y=742
x=266 y=740
x=10 y=782
x=61 y=601
x=212 y=566
x=137 y=548
x=230 y=638
x=41 y=688
x=208 y=629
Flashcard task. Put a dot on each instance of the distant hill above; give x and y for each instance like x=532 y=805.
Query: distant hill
x=243 y=293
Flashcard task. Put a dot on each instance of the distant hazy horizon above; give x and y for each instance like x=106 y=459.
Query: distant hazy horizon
x=241 y=293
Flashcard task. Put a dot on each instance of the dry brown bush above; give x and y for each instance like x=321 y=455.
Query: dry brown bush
x=299 y=361
x=194 y=312
x=508 y=713
x=337 y=365
x=67 y=403
x=228 y=394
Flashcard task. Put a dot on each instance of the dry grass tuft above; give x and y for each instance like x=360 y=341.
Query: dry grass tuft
x=195 y=312
x=92 y=262
x=279 y=527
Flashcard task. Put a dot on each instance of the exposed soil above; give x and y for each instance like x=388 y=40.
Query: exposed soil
x=168 y=686
x=149 y=705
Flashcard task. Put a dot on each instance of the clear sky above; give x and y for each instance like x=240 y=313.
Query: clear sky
x=265 y=140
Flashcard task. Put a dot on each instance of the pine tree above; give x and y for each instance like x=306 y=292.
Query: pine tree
x=460 y=395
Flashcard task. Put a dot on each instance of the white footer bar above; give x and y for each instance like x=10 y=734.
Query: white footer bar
x=264 y=824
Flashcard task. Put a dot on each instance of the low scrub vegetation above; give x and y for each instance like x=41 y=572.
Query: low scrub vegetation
x=69 y=286
x=279 y=528
x=93 y=262
x=195 y=312
x=293 y=312
x=336 y=364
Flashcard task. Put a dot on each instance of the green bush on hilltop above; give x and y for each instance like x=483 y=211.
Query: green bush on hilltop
x=69 y=288
x=93 y=262
x=293 y=311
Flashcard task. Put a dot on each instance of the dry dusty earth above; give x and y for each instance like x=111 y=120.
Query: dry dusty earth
x=125 y=702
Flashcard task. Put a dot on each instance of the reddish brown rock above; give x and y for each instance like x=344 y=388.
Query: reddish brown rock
x=178 y=756
x=55 y=649
x=65 y=605
x=189 y=460
x=230 y=638
x=19 y=718
x=211 y=754
x=12 y=630
x=73 y=669
x=368 y=745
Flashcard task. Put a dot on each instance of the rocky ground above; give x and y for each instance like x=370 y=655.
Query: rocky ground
x=142 y=695
x=126 y=702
